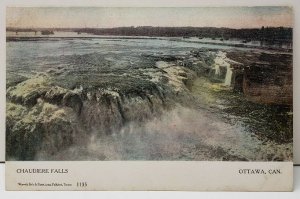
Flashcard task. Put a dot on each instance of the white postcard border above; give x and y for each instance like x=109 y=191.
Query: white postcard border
x=152 y=3
x=149 y=175
x=228 y=179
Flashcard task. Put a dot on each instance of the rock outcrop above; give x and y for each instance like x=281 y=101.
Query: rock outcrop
x=265 y=77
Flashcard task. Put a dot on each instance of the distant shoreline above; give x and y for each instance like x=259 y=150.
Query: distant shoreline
x=268 y=34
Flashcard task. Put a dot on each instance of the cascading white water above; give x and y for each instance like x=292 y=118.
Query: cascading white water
x=222 y=61
x=228 y=63
x=228 y=76
x=217 y=69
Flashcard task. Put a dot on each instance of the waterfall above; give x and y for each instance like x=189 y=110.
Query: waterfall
x=222 y=61
x=217 y=69
x=228 y=76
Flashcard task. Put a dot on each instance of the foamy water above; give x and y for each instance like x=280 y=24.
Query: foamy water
x=179 y=133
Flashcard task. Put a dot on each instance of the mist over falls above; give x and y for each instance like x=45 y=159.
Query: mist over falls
x=138 y=100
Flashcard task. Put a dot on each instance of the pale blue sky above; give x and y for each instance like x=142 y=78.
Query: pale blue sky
x=233 y=17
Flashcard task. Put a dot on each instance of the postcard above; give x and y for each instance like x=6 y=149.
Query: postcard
x=149 y=98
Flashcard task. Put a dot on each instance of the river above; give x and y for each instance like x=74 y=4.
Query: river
x=178 y=121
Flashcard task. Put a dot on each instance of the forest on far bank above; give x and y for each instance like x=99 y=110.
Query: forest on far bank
x=275 y=34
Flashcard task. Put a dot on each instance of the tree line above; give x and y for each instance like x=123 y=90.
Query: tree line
x=281 y=34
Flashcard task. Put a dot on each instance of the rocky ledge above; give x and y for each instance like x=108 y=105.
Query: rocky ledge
x=264 y=77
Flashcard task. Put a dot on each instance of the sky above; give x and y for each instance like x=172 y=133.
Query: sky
x=101 y=17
